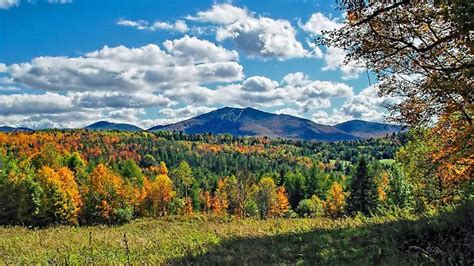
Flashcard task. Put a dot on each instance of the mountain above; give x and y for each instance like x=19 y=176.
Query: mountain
x=13 y=129
x=104 y=125
x=252 y=122
x=364 y=129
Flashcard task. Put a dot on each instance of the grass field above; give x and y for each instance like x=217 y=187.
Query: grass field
x=387 y=161
x=210 y=240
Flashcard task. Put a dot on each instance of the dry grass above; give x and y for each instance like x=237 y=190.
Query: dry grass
x=209 y=240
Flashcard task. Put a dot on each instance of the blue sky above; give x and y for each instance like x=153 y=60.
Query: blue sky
x=70 y=63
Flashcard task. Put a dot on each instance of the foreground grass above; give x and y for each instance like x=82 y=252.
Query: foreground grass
x=206 y=240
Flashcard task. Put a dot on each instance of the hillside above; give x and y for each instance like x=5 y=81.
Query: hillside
x=252 y=122
x=13 y=129
x=364 y=129
x=104 y=125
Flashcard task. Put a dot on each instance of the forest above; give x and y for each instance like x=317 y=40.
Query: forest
x=91 y=177
x=77 y=196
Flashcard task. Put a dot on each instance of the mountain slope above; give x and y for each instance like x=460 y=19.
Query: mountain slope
x=104 y=125
x=13 y=129
x=364 y=129
x=252 y=122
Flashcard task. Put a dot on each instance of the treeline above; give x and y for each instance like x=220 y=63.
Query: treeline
x=80 y=177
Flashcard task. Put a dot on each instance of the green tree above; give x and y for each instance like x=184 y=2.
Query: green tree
x=266 y=196
x=183 y=178
x=295 y=185
x=363 y=195
x=131 y=172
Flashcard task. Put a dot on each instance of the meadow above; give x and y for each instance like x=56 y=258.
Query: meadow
x=201 y=239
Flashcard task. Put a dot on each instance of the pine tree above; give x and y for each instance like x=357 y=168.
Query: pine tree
x=363 y=195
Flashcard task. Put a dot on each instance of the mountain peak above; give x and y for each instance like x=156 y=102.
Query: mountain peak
x=253 y=122
x=105 y=125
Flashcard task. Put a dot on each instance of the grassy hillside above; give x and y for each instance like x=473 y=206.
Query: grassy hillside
x=204 y=239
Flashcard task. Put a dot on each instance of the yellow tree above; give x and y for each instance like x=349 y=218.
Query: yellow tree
x=62 y=201
x=160 y=194
x=267 y=197
x=282 y=204
x=336 y=201
x=220 y=201
x=105 y=195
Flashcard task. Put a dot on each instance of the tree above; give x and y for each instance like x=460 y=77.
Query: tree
x=422 y=54
x=296 y=186
x=148 y=161
x=282 y=204
x=266 y=197
x=183 y=176
x=419 y=51
x=132 y=173
x=336 y=201
x=363 y=196
x=399 y=193
x=312 y=207
x=161 y=193
x=61 y=200
x=20 y=194
x=105 y=197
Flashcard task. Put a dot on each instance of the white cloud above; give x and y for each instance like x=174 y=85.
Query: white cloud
x=119 y=100
x=261 y=92
x=148 y=68
x=59 y=1
x=334 y=58
x=20 y=104
x=259 y=84
x=223 y=14
x=196 y=51
x=178 y=25
x=185 y=112
x=6 y=4
x=138 y=24
x=318 y=23
x=296 y=79
x=99 y=84
x=258 y=36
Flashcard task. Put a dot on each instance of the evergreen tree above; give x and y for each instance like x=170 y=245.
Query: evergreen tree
x=363 y=190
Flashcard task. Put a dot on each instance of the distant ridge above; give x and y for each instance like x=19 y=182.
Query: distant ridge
x=104 y=125
x=253 y=122
x=364 y=129
x=14 y=129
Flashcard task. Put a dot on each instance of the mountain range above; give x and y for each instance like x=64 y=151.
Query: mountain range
x=252 y=122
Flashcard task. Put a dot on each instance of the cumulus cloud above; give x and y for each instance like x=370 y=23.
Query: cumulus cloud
x=302 y=95
x=318 y=23
x=185 y=112
x=366 y=105
x=59 y=1
x=259 y=84
x=258 y=36
x=6 y=4
x=196 y=51
x=223 y=14
x=111 y=79
x=178 y=25
x=148 y=68
x=334 y=58
x=32 y=104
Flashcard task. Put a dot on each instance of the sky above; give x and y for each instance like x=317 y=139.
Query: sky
x=70 y=63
